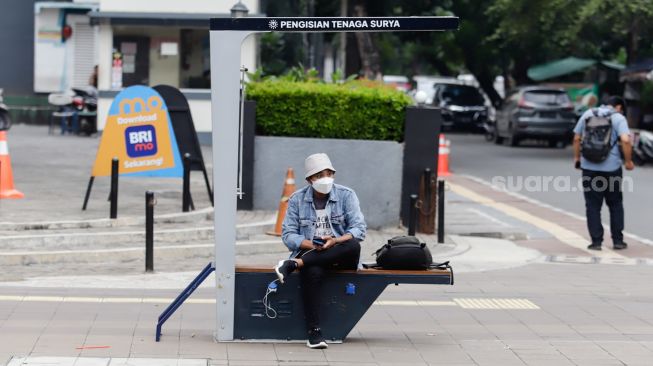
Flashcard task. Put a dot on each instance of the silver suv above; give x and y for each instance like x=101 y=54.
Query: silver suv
x=536 y=112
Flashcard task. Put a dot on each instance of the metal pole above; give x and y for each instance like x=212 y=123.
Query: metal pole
x=413 y=215
x=114 y=189
x=88 y=193
x=427 y=191
x=225 y=83
x=441 y=211
x=149 y=231
x=185 y=199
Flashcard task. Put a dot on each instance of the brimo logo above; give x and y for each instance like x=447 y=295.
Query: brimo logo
x=138 y=105
x=140 y=141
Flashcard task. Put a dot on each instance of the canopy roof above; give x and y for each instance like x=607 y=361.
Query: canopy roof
x=566 y=66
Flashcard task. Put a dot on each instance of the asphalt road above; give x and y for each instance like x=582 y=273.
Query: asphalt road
x=527 y=168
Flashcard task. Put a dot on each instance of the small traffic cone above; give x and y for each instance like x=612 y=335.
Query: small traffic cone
x=443 y=157
x=7 y=189
x=288 y=189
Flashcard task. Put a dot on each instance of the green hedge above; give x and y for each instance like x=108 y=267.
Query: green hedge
x=353 y=110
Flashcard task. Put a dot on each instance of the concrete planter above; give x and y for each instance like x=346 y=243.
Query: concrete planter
x=371 y=168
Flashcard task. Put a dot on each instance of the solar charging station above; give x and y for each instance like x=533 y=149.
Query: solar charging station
x=226 y=37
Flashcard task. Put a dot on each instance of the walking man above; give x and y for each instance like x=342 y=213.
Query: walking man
x=601 y=146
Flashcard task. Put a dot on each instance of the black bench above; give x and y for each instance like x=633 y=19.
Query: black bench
x=340 y=311
x=346 y=297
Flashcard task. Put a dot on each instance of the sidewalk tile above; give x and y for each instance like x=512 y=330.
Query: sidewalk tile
x=334 y=354
x=243 y=352
x=298 y=353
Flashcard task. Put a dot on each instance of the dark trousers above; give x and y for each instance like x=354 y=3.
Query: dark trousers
x=597 y=187
x=316 y=263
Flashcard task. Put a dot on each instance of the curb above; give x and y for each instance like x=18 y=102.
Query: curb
x=205 y=213
x=136 y=253
x=69 y=240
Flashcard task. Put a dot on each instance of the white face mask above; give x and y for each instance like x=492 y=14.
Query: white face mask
x=323 y=185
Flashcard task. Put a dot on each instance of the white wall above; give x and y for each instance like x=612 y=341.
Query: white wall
x=105 y=45
x=54 y=60
x=175 y=6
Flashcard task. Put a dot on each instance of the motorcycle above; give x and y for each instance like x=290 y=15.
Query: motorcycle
x=643 y=148
x=85 y=104
x=5 y=118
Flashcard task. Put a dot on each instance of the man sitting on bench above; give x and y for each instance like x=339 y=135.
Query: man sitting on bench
x=323 y=227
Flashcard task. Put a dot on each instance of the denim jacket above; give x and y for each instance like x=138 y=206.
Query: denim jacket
x=343 y=212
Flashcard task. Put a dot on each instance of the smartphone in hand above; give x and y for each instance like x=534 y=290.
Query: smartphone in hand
x=318 y=241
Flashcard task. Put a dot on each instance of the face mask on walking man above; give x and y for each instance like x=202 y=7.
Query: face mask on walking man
x=323 y=228
x=601 y=146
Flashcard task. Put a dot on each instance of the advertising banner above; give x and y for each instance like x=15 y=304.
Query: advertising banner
x=139 y=133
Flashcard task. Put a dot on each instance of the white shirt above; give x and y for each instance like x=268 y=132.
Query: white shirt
x=322 y=225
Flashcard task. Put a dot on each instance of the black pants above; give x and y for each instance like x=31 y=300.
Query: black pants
x=316 y=263
x=599 y=186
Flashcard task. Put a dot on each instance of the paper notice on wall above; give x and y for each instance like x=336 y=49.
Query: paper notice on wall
x=129 y=64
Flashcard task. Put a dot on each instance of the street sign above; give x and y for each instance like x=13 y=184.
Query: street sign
x=139 y=133
x=322 y=25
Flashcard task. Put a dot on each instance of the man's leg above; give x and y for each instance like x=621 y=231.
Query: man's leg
x=341 y=256
x=593 y=203
x=614 y=200
x=311 y=282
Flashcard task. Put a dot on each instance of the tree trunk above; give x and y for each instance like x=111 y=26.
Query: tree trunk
x=633 y=41
x=487 y=84
x=369 y=53
x=520 y=71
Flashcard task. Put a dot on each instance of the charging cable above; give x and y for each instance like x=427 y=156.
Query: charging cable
x=269 y=311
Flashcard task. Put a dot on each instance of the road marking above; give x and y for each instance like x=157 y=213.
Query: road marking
x=564 y=235
x=562 y=258
x=414 y=303
x=465 y=303
x=496 y=304
x=489 y=217
x=556 y=209
x=105 y=361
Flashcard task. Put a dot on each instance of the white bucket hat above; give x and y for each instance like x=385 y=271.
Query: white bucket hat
x=317 y=163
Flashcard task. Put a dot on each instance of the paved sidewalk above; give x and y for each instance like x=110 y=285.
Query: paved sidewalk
x=573 y=315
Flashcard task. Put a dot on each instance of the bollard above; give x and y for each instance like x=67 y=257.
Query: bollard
x=185 y=199
x=426 y=202
x=441 y=211
x=413 y=215
x=149 y=231
x=114 y=189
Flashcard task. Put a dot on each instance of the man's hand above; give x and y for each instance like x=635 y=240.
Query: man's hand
x=577 y=163
x=629 y=165
x=328 y=242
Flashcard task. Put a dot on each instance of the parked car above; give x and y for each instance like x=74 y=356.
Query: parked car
x=536 y=112
x=463 y=106
x=399 y=82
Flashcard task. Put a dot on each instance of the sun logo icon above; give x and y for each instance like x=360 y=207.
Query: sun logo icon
x=273 y=24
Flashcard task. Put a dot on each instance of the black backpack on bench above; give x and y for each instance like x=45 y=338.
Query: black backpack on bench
x=406 y=253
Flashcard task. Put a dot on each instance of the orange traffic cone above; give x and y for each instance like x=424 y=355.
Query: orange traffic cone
x=6 y=176
x=443 y=157
x=288 y=189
